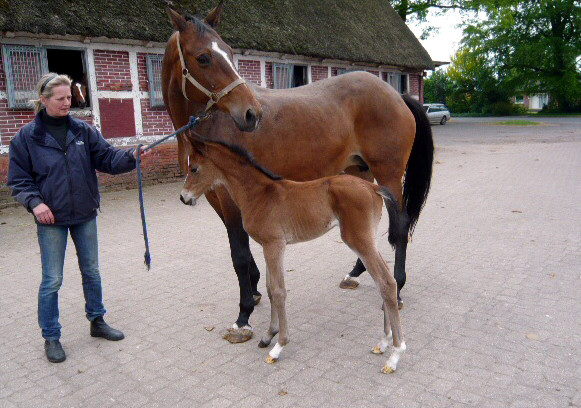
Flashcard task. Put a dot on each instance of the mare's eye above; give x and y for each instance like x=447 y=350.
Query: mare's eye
x=194 y=170
x=203 y=59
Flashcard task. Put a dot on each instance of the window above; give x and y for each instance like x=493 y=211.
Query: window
x=25 y=65
x=283 y=74
x=72 y=63
x=519 y=99
x=289 y=76
x=154 y=64
x=398 y=81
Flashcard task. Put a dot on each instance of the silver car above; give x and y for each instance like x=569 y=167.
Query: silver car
x=437 y=113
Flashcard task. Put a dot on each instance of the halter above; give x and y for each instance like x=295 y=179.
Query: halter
x=214 y=96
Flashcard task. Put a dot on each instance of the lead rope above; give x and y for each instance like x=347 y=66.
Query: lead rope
x=194 y=121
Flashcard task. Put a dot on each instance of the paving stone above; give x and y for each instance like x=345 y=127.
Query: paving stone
x=491 y=315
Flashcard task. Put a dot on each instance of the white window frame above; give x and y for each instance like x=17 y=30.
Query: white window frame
x=155 y=95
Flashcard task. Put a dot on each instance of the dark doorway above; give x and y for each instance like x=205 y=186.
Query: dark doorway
x=71 y=63
x=299 y=76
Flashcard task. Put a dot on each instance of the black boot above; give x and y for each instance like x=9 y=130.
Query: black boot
x=101 y=329
x=54 y=351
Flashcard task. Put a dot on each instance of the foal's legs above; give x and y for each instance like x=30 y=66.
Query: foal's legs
x=273 y=328
x=392 y=326
x=274 y=257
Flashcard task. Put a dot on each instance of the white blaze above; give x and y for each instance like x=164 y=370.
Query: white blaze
x=220 y=51
x=80 y=92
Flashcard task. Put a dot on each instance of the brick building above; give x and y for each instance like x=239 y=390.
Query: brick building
x=117 y=51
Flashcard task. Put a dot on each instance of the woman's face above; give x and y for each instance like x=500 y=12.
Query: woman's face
x=60 y=101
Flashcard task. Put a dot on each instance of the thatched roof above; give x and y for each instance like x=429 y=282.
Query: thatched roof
x=367 y=31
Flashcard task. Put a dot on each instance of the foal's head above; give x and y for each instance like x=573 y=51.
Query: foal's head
x=209 y=60
x=204 y=174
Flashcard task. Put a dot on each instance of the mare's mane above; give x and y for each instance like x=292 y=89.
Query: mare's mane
x=200 y=25
x=243 y=154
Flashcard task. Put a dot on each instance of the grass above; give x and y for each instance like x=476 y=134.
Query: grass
x=516 y=122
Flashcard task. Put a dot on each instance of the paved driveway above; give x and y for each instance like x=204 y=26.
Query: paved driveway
x=492 y=315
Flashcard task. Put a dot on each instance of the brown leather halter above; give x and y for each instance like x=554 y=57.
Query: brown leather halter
x=214 y=96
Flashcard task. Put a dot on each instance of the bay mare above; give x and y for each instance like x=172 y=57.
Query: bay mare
x=353 y=122
x=276 y=212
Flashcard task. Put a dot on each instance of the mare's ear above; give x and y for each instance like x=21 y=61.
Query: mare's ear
x=214 y=17
x=177 y=20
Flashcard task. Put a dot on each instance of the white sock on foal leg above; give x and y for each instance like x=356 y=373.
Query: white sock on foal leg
x=391 y=364
x=383 y=343
x=274 y=354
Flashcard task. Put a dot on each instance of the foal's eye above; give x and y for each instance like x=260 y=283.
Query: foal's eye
x=203 y=59
x=194 y=170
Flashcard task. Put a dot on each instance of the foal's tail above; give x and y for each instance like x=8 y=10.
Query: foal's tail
x=398 y=221
x=418 y=174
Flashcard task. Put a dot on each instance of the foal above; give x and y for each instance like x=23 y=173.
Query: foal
x=276 y=212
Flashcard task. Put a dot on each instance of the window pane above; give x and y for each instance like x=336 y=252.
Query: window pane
x=283 y=75
x=24 y=67
x=154 y=63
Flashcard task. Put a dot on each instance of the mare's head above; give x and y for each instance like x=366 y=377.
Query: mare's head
x=208 y=60
x=79 y=94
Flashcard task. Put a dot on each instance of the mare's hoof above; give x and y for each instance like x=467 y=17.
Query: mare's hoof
x=257 y=299
x=349 y=283
x=399 y=304
x=271 y=360
x=239 y=335
x=262 y=344
x=387 y=370
x=377 y=350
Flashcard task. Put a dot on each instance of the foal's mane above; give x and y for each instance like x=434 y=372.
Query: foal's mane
x=243 y=154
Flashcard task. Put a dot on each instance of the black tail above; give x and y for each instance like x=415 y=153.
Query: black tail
x=418 y=174
x=398 y=222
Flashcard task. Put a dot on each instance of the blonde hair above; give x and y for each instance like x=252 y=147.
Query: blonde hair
x=45 y=86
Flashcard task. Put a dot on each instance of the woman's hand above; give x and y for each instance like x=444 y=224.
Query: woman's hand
x=143 y=152
x=43 y=214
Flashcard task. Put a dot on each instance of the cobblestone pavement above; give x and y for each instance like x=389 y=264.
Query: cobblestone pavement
x=492 y=312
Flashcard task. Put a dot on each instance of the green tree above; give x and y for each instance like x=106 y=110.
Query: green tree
x=438 y=87
x=533 y=46
x=475 y=87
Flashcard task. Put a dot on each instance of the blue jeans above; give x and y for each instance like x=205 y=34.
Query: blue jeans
x=53 y=243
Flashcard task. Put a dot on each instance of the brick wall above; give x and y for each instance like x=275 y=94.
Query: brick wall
x=269 y=75
x=156 y=121
x=112 y=70
x=142 y=72
x=250 y=70
x=318 y=73
x=414 y=84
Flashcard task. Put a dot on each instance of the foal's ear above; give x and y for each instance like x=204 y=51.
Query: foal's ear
x=177 y=20
x=214 y=17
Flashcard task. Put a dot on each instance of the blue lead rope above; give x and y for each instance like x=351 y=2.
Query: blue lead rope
x=194 y=120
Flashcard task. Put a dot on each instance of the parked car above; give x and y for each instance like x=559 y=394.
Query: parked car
x=437 y=113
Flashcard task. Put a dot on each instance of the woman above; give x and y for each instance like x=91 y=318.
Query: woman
x=52 y=173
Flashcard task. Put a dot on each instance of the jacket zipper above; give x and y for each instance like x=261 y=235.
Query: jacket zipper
x=70 y=182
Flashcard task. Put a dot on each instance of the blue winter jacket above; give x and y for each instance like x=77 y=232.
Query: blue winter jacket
x=65 y=180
